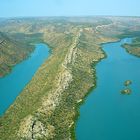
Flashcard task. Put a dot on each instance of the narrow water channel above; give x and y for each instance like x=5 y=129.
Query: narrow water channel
x=12 y=84
x=106 y=113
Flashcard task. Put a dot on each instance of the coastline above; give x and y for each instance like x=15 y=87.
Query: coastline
x=33 y=47
x=19 y=65
x=130 y=52
x=60 y=85
x=77 y=107
x=93 y=66
x=25 y=58
x=94 y=87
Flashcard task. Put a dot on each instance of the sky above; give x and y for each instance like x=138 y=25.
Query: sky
x=24 y=8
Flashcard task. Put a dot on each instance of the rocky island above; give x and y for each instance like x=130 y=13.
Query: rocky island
x=126 y=91
x=128 y=82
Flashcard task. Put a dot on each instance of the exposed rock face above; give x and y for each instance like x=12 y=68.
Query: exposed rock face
x=71 y=56
x=54 y=97
x=33 y=129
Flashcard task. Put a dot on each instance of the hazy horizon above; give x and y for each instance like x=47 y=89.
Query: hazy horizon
x=73 y=8
x=67 y=16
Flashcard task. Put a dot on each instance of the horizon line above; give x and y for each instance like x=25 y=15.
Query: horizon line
x=68 y=16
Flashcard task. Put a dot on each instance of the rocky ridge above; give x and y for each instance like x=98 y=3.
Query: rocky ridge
x=31 y=127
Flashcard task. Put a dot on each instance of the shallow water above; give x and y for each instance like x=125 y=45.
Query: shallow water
x=107 y=114
x=12 y=84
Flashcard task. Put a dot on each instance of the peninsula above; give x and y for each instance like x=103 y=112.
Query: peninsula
x=47 y=108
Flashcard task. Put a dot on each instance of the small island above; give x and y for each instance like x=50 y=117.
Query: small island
x=127 y=82
x=126 y=91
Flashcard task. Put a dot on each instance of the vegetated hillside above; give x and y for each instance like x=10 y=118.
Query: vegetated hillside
x=11 y=53
x=133 y=48
x=48 y=106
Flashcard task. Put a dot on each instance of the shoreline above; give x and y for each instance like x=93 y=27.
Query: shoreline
x=129 y=52
x=94 y=77
x=93 y=66
x=60 y=85
x=26 y=59
x=94 y=87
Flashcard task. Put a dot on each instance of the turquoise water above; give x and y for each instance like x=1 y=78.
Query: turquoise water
x=13 y=83
x=107 y=114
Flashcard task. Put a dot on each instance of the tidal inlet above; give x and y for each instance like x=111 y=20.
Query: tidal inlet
x=69 y=70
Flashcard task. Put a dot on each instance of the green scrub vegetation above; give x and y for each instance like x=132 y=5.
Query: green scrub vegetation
x=133 y=48
x=11 y=53
x=47 y=108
